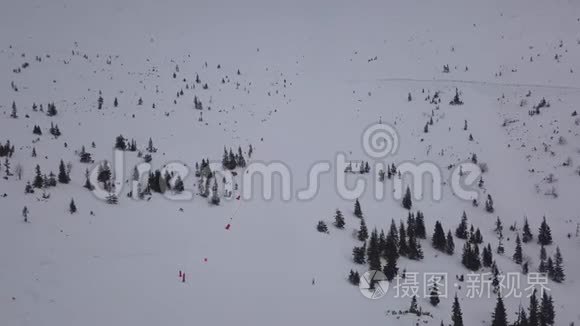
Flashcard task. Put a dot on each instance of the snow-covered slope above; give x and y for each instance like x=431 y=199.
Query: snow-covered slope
x=308 y=86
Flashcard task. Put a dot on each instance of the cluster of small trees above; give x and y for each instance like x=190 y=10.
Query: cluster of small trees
x=540 y=313
x=197 y=103
x=471 y=255
x=125 y=145
x=402 y=241
x=54 y=130
x=104 y=176
x=7 y=149
x=363 y=168
x=51 y=110
x=442 y=242
x=43 y=181
x=36 y=130
x=85 y=157
x=231 y=161
x=456 y=100
x=354 y=277
x=553 y=267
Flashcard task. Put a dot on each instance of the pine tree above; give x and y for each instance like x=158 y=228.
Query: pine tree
x=28 y=189
x=51 y=111
x=413 y=308
x=226 y=159
x=393 y=232
x=525 y=268
x=470 y=257
x=489 y=204
x=72 y=207
x=527 y=235
x=150 y=147
x=362 y=234
x=471 y=236
x=339 y=219
x=499 y=317
x=215 y=199
x=518 y=256
x=116 y=103
x=63 y=176
x=374 y=252
x=449 y=245
x=120 y=143
x=476 y=260
x=411 y=225
x=461 y=231
x=321 y=227
x=542 y=268
x=487 y=256
x=391 y=254
x=550 y=268
x=354 y=277
x=547 y=314
x=415 y=250
x=499 y=227
x=559 y=275
x=241 y=162
x=38 y=181
x=25 y=214
x=456 y=314
x=14 y=114
x=357 y=210
x=544 y=234
x=7 y=167
x=477 y=237
x=495 y=282
x=407 y=202
x=420 y=231
x=522 y=318
x=466 y=255
x=358 y=254
x=439 y=241
x=382 y=242
x=178 y=186
x=403 y=248
x=434 y=295
x=534 y=311
x=88 y=184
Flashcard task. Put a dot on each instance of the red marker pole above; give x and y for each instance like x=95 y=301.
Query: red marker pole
x=183 y=277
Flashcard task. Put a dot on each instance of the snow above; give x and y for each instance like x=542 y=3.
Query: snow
x=121 y=265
